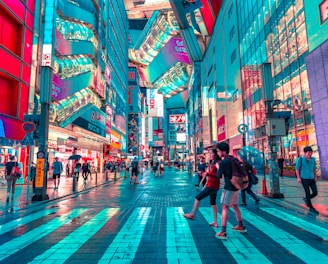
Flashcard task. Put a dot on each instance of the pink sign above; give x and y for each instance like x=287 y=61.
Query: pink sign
x=221 y=128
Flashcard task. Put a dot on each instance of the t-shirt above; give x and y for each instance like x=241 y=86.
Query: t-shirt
x=201 y=167
x=306 y=167
x=225 y=170
x=58 y=167
x=134 y=165
x=10 y=165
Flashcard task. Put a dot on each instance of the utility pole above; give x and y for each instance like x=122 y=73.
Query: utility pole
x=46 y=43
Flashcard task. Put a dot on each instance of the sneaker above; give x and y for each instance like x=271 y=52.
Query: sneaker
x=313 y=210
x=243 y=204
x=221 y=235
x=241 y=229
x=257 y=201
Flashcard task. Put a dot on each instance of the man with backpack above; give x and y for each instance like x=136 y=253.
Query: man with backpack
x=135 y=170
x=306 y=174
x=229 y=193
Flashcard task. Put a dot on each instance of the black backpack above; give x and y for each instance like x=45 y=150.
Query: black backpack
x=239 y=177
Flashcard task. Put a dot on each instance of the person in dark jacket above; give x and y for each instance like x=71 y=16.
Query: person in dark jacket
x=11 y=179
x=248 y=190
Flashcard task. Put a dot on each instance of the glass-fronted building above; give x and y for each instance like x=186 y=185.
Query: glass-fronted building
x=248 y=34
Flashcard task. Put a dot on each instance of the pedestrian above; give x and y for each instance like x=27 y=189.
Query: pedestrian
x=67 y=170
x=201 y=168
x=11 y=179
x=32 y=175
x=248 y=190
x=281 y=165
x=85 y=170
x=134 y=170
x=229 y=197
x=57 y=167
x=77 y=168
x=161 y=167
x=210 y=189
x=155 y=167
x=306 y=174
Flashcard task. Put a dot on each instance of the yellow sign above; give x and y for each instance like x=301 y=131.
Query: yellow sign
x=39 y=173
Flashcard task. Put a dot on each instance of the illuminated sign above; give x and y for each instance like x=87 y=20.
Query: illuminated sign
x=2 y=129
x=39 y=173
x=174 y=119
x=221 y=135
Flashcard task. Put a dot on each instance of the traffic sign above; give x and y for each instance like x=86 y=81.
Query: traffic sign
x=28 y=126
x=28 y=140
x=243 y=128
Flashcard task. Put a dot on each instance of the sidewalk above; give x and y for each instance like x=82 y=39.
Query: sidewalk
x=292 y=190
x=293 y=195
x=24 y=193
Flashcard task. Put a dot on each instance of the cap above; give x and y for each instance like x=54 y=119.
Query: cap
x=306 y=149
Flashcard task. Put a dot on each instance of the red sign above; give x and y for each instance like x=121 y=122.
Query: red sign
x=28 y=127
x=221 y=128
x=174 y=119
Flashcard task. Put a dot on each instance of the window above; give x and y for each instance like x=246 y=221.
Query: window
x=232 y=33
x=10 y=32
x=9 y=96
x=230 y=11
x=233 y=57
x=323 y=9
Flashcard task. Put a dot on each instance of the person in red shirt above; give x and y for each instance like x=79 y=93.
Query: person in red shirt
x=210 y=189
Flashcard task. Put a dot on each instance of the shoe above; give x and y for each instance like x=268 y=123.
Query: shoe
x=257 y=201
x=214 y=225
x=313 y=210
x=189 y=216
x=221 y=235
x=241 y=229
x=305 y=201
x=243 y=204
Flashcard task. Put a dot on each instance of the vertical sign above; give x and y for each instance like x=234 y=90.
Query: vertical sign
x=221 y=128
x=39 y=173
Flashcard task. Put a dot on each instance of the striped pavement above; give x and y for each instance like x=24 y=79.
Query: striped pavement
x=121 y=235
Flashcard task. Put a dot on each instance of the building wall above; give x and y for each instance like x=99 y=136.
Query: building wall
x=16 y=33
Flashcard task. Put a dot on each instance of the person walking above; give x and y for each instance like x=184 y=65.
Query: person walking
x=85 y=170
x=229 y=197
x=77 y=168
x=201 y=168
x=32 y=175
x=281 y=165
x=248 y=190
x=306 y=175
x=210 y=189
x=57 y=167
x=11 y=179
x=134 y=170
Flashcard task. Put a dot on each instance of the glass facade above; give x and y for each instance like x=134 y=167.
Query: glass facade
x=275 y=32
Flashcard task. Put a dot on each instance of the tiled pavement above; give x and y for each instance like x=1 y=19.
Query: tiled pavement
x=119 y=222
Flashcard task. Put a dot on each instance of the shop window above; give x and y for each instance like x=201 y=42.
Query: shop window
x=9 y=96
x=10 y=32
x=323 y=11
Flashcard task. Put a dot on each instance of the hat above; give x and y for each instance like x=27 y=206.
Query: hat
x=306 y=149
x=223 y=147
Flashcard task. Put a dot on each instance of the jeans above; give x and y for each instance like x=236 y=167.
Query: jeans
x=307 y=185
x=11 y=185
x=250 y=192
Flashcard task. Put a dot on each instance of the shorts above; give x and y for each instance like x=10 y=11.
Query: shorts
x=229 y=198
x=56 y=176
